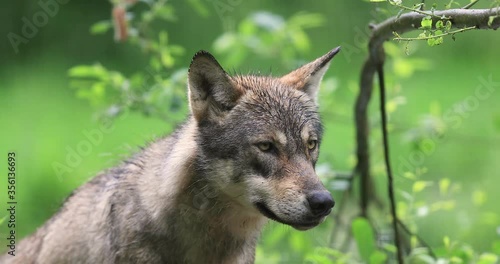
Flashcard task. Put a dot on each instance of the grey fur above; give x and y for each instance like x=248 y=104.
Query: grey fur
x=202 y=194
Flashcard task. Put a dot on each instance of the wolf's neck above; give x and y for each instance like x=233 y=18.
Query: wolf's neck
x=216 y=208
x=212 y=228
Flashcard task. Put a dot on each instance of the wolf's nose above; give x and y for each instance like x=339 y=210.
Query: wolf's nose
x=321 y=203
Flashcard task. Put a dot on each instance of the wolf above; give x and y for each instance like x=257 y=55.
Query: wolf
x=246 y=154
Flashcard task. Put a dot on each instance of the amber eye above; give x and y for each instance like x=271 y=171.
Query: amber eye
x=311 y=144
x=265 y=146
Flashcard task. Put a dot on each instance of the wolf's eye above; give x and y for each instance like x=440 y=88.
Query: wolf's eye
x=311 y=144
x=265 y=146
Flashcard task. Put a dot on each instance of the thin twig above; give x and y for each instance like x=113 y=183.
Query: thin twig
x=342 y=206
x=418 y=11
x=390 y=178
x=469 y=5
x=422 y=241
x=435 y=36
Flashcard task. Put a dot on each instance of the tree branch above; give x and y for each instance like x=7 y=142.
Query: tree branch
x=390 y=177
x=435 y=36
x=460 y=18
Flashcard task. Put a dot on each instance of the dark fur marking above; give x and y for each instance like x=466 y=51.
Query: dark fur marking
x=260 y=169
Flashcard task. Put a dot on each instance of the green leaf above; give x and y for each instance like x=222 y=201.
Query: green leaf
x=439 y=24
x=456 y=260
x=414 y=241
x=306 y=20
x=166 y=58
x=422 y=259
x=225 y=42
x=176 y=49
x=247 y=28
x=297 y=242
x=435 y=41
x=406 y=67
x=100 y=27
x=444 y=185
x=448 y=25
x=378 y=257
x=419 y=186
x=391 y=106
x=155 y=63
x=496 y=247
x=317 y=259
x=163 y=37
x=426 y=22
x=438 y=41
x=479 y=197
x=364 y=237
x=491 y=19
x=487 y=258
x=410 y=175
x=431 y=42
x=200 y=7
x=300 y=40
x=390 y=248
x=165 y=12
x=446 y=242
x=89 y=71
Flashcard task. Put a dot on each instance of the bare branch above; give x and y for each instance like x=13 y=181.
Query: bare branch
x=460 y=18
x=387 y=159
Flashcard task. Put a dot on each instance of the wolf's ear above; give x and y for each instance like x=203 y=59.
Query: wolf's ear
x=211 y=90
x=308 y=77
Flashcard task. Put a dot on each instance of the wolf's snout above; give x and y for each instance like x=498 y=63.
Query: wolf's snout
x=321 y=203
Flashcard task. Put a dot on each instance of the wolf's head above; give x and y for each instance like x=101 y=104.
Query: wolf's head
x=259 y=138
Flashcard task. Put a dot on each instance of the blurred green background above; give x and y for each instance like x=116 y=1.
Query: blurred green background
x=43 y=119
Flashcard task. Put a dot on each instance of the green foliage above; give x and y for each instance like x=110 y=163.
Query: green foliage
x=324 y=255
x=432 y=34
x=101 y=27
x=158 y=90
x=154 y=93
x=364 y=237
x=268 y=35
